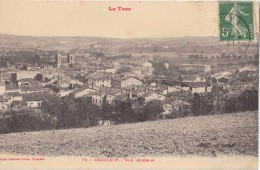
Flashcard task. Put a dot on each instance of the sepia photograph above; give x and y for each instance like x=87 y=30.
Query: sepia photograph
x=136 y=83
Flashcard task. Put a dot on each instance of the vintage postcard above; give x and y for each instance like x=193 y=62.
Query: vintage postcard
x=112 y=85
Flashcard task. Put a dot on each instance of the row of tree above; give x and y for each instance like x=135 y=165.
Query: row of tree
x=70 y=113
x=224 y=56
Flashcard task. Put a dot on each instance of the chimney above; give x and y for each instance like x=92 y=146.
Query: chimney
x=71 y=86
x=130 y=95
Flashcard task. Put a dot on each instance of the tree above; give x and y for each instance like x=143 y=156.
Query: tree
x=106 y=110
x=196 y=104
x=152 y=110
x=27 y=119
x=87 y=112
x=124 y=112
x=124 y=69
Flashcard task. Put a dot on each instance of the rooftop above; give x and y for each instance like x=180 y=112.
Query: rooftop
x=37 y=96
x=100 y=77
x=14 y=94
x=106 y=90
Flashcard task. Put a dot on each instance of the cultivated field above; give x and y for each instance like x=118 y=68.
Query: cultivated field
x=230 y=134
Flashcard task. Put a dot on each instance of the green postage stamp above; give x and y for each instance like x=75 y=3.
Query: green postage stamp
x=236 y=21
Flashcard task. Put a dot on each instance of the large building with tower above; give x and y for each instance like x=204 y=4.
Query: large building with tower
x=64 y=60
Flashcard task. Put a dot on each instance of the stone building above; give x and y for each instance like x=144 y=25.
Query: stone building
x=64 y=60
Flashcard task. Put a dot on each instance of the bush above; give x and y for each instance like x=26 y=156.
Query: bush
x=27 y=119
x=152 y=110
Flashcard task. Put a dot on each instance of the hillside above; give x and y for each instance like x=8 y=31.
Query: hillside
x=232 y=134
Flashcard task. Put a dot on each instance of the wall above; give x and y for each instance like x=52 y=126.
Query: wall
x=34 y=104
x=84 y=92
x=2 y=89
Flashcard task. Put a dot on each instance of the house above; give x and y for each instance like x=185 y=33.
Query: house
x=81 y=92
x=36 y=99
x=5 y=102
x=98 y=81
x=5 y=74
x=15 y=96
x=67 y=82
x=2 y=89
x=143 y=71
x=64 y=92
x=111 y=70
x=24 y=81
x=152 y=95
x=98 y=96
x=191 y=78
x=106 y=94
x=173 y=85
x=10 y=89
x=112 y=94
x=23 y=75
x=220 y=79
x=195 y=67
x=139 y=91
x=139 y=60
x=31 y=88
x=121 y=82
x=121 y=98
x=195 y=87
x=162 y=90
x=33 y=100
x=59 y=91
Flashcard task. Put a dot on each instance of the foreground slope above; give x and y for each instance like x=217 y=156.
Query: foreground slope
x=232 y=134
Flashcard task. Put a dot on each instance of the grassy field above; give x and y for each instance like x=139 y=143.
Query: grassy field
x=214 y=135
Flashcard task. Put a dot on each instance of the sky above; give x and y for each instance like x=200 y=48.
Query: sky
x=84 y=18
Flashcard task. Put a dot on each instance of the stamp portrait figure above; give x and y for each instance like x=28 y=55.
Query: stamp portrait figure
x=237 y=29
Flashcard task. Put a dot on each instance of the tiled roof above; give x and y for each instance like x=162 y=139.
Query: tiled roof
x=107 y=90
x=37 y=96
x=4 y=98
x=187 y=78
x=14 y=94
x=31 y=88
x=122 y=78
x=171 y=82
x=121 y=97
x=79 y=90
x=57 y=88
x=194 y=84
x=130 y=87
x=11 y=88
x=100 y=77
x=25 y=80
x=113 y=91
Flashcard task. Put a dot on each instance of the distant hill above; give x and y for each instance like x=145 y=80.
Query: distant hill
x=7 y=38
x=115 y=45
